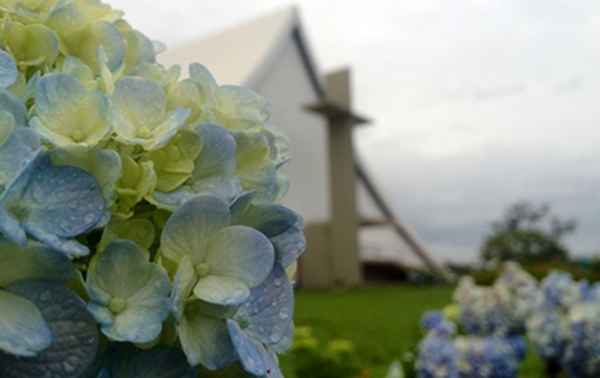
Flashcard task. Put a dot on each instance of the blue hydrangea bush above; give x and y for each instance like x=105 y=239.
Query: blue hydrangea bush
x=559 y=316
x=141 y=230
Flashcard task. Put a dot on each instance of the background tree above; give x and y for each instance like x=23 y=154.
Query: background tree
x=526 y=233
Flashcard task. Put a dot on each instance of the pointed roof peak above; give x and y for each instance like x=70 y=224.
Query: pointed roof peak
x=256 y=43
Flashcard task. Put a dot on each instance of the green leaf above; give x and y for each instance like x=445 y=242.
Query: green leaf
x=34 y=262
x=139 y=230
x=129 y=362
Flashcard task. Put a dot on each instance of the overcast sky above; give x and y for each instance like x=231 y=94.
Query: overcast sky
x=478 y=103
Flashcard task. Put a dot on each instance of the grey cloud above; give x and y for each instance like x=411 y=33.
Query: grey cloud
x=465 y=97
x=570 y=85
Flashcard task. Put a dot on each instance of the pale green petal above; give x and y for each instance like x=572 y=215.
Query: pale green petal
x=167 y=130
x=76 y=68
x=188 y=229
x=140 y=114
x=222 y=290
x=32 y=44
x=68 y=17
x=99 y=34
x=258 y=161
x=137 y=181
x=121 y=270
x=167 y=78
x=141 y=321
x=174 y=163
x=140 y=48
x=138 y=290
x=186 y=94
x=23 y=330
x=253 y=150
x=240 y=108
x=241 y=252
x=67 y=114
x=183 y=286
x=205 y=339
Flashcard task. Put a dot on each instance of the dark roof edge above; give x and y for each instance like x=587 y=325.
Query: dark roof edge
x=294 y=31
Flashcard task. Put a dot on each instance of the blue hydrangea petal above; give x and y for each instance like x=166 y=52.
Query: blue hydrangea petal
x=23 y=330
x=286 y=341
x=16 y=153
x=205 y=339
x=218 y=152
x=273 y=370
x=270 y=219
x=270 y=309
x=65 y=200
x=53 y=204
x=284 y=227
x=8 y=70
x=12 y=229
x=75 y=334
x=104 y=165
x=71 y=248
x=222 y=290
x=251 y=353
x=241 y=252
x=14 y=106
x=290 y=245
x=187 y=230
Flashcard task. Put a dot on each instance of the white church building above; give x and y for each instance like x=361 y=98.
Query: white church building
x=330 y=188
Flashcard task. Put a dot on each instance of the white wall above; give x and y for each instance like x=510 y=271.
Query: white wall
x=288 y=88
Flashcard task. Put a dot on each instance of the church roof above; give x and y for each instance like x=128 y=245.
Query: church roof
x=258 y=44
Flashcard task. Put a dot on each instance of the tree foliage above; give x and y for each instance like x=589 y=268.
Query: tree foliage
x=528 y=232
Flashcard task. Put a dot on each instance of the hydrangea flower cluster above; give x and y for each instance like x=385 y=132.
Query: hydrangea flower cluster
x=438 y=356
x=547 y=328
x=501 y=309
x=136 y=206
x=489 y=357
x=560 y=316
x=441 y=355
x=565 y=328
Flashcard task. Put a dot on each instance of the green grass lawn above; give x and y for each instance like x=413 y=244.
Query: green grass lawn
x=382 y=322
